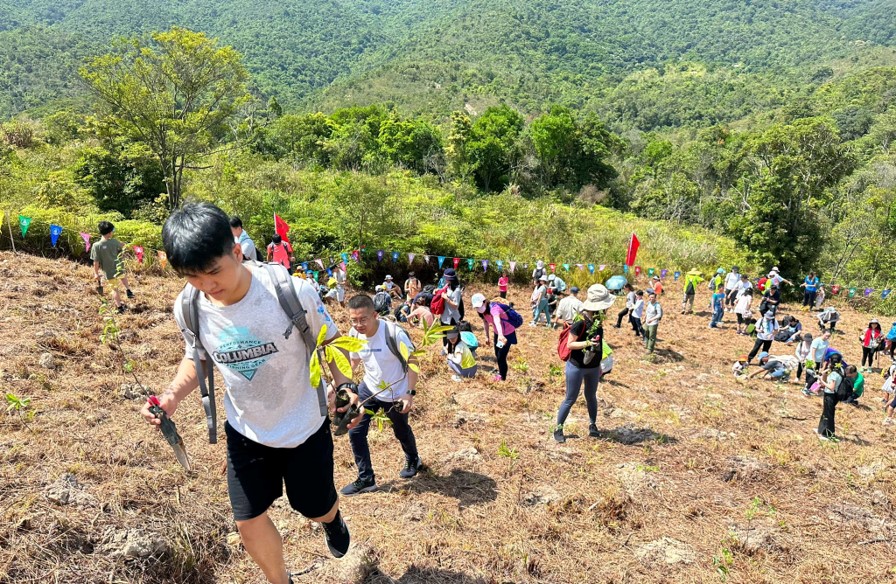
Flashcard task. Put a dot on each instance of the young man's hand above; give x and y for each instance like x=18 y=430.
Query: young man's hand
x=353 y=400
x=167 y=402
x=407 y=402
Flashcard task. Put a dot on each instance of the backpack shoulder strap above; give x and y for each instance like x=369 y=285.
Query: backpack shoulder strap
x=189 y=315
x=392 y=342
x=287 y=295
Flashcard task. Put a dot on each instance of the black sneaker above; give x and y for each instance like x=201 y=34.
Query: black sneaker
x=358 y=487
x=122 y=308
x=558 y=435
x=130 y=294
x=593 y=431
x=337 y=535
x=410 y=468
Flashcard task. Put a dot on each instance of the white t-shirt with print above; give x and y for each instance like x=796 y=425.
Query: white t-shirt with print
x=269 y=398
x=380 y=364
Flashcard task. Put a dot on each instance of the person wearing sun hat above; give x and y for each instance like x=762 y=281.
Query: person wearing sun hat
x=494 y=317
x=585 y=343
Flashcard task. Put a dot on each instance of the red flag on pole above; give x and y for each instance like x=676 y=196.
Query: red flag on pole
x=281 y=227
x=633 y=246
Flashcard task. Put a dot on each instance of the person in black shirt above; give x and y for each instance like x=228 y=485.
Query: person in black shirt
x=585 y=343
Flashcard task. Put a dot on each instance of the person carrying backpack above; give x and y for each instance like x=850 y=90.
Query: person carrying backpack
x=389 y=385
x=837 y=388
x=653 y=314
x=280 y=251
x=452 y=297
x=234 y=320
x=584 y=346
x=504 y=320
x=765 y=334
x=382 y=301
x=691 y=281
x=538 y=272
x=250 y=252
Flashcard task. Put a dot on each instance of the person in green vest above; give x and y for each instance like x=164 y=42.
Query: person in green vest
x=691 y=281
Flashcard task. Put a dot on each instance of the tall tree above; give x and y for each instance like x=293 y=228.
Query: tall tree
x=174 y=93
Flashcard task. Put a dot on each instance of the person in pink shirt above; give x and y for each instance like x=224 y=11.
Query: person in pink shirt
x=503 y=282
x=280 y=252
x=494 y=317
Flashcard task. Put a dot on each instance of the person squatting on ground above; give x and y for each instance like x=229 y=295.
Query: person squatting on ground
x=106 y=256
x=585 y=343
x=276 y=432
x=495 y=318
x=461 y=361
x=389 y=385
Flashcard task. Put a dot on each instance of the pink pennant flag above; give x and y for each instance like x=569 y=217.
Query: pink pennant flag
x=86 y=238
x=580 y=266
x=320 y=262
x=411 y=257
x=512 y=267
x=343 y=266
x=138 y=251
x=602 y=267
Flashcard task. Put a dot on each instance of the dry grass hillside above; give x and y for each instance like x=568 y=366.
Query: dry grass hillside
x=700 y=478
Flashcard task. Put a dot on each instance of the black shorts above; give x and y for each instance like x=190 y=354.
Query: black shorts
x=256 y=474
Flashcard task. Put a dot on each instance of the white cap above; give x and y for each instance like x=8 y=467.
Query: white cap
x=552 y=277
x=388 y=277
x=478 y=301
x=543 y=278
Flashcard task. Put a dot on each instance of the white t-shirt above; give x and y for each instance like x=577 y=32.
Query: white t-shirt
x=743 y=303
x=568 y=308
x=818 y=348
x=452 y=312
x=269 y=398
x=732 y=281
x=380 y=364
x=638 y=310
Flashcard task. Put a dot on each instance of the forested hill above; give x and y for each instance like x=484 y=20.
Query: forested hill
x=434 y=55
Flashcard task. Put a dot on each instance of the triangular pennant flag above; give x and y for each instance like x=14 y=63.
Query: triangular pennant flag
x=591 y=268
x=24 y=224
x=356 y=255
x=852 y=292
x=305 y=266
x=441 y=261
x=553 y=267
x=651 y=271
x=637 y=270
x=315 y=273
x=86 y=238
x=330 y=272
x=426 y=258
x=470 y=262
x=456 y=262
x=868 y=292
x=602 y=267
x=55 y=232
x=138 y=251
x=625 y=268
x=343 y=266
x=344 y=257
x=835 y=289
x=885 y=293
x=411 y=257
x=580 y=266
x=500 y=265
x=394 y=256
x=163 y=259
x=379 y=255
x=320 y=262
x=484 y=265
x=512 y=266
x=566 y=267
x=677 y=275
x=664 y=273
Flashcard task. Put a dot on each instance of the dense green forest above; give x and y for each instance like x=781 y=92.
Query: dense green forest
x=769 y=124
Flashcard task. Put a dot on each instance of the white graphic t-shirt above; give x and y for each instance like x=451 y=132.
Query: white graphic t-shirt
x=380 y=364
x=269 y=398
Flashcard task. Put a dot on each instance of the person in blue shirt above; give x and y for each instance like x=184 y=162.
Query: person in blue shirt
x=718 y=307
x=810 y=284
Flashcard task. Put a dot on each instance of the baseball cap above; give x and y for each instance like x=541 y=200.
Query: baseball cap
x=478 y=300
x=574 y=289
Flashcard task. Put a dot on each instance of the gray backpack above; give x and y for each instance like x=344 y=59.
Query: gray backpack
x=392 y=342
x=289 y=302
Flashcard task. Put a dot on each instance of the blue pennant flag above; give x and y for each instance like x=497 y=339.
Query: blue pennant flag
x=441 y=260
x=591 y=268
x=305 y=266
x=394 y=256
x=885 y=293
x=625 y=268
x=500 y=264
x=566 y=267
x=345 y=257
x=677 y=275
x=55 y=232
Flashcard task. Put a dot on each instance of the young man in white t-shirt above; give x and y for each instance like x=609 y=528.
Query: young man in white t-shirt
x=276 y=433
x=381 y=366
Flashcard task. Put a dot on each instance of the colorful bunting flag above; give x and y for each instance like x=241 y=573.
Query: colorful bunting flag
x=344 y=256
x=512 y=266
x=356 y=255
x=470 y=264
x=484 y=265
x=163 y=259
x=885 y=293
x=500 y=265
x=86 y=238
x=852 y=292
x=411 y=257
x=835 y=289
x=651 y=272
x=591 y=268
x=664 y=273
x=553 y=267
x=379 y=255
x=456 y=262
x=426 y=258
x=55 y=232
x=868 y=292
x=625 y=268
x=566 y=267
x=320 y=262
x=441 y=261
x=395 y=255
x=637 y=270
x=602 y=267
x=138 y=250
x=677 y=275
x=580 y=266
x=305 y=266
x=24 y=224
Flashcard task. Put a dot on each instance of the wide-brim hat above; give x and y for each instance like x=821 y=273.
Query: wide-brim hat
x=598 y=298
x=874 y=321
x=450 y=274
x=695 y=272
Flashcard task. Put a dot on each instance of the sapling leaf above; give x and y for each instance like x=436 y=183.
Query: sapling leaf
x=413 y=367
x=315 y=370
x=349 y=344
x=382 y=385
x=403 y=349
x=338 y=357
x=322 y=335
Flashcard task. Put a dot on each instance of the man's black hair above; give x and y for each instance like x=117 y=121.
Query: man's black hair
x=277 y=239
x=360 y=301
x=196 y=236
x=105 y=227
x=235 y=221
